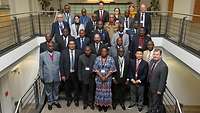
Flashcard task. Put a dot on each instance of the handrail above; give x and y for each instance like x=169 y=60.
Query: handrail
x=176 y=100
x=13 y=14
x=20 y=100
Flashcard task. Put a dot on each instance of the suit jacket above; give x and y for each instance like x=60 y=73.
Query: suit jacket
x=43 y=47
x=130 y=22
x=113 y=51
x=135 y=45
x=133 y=34
x=55 y=31
x=104 y=37
x=158 y=77
x=65 y=62
x=147 y=24
x=84 y=20
x=85 y=65
x=49 y=70
x=125 y=38
x=74 y=32
x=142 y=71
x=125 y=73
x=92 y=45
x=78 y=44
x=105 y=15
x=69 y=18
x=62 y=42
x=90 y=29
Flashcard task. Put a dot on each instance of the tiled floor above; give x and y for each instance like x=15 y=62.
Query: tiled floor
x=73 y=109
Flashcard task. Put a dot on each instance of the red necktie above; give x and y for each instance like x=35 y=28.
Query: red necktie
x=101 y=15
x=141 y=42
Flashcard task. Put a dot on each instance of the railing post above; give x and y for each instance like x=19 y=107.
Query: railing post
x=32 y=25
x=181 y=31
x=36 y=94
x=39 y=24
x=167 y=22
x=17 y=30
x=160 y=24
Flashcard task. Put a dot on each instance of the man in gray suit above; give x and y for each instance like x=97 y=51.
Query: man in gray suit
x=121 y=34
x=49 y=74
x=119 y=44
x=157 y=77
x=86 y=76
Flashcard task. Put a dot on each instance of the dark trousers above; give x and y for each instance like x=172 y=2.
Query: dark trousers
x=137 y=92
x=155 y=102
x=118 y=93
x=88 y=91
x=72 y=87
x=51 y=90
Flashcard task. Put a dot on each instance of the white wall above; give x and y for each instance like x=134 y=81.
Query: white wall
x=18 y=79
x=183 y=6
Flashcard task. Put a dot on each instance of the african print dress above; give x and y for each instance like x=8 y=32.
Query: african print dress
x=103 y=95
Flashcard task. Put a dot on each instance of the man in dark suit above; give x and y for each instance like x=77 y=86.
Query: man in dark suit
x=127 y=21
x=97 y=44
x=58 y=26
x=91 y=27
x=138 y=71
x=120 y=79
x=84 y=19
x=140 y=42
x=102 y=15
x=69 y=68
x=44 y=45
x=157 y=78
x=82 y=41
x=103 y=34
x=144 y=19
x=86 y=76
x=63 y=40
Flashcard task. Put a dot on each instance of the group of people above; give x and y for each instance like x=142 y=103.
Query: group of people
x=103 y=59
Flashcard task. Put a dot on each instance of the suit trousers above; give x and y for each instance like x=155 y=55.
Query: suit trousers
x=51 y=90
x=155 y=102
x=72 y=87
x=137 y=92
x=118 y=92
x=88 y=91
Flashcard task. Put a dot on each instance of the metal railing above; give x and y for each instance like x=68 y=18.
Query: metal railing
x=171 y=103
x=32 y=100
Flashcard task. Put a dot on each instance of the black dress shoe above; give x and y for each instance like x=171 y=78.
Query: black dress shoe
x=100 y=108
x=123 y=106
x=69 y=103
x=140 y=109
x=92 y=106
x=76 y=103
x=114 y=106
x=131 y=106
x=85 y=106
x=58 y=105
x=49 y=107
x=105 y=109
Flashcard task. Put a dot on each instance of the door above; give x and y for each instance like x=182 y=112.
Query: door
x=196 y=11
x=170 y=7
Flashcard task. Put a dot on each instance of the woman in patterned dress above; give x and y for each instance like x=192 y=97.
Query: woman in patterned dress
x=104 y=67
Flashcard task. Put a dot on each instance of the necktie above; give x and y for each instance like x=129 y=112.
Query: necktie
x=141 y=42
x=81 y=43
x=51 y=56
x=72 y=60
x=126 y=22
x=152 y=67
x=137 y=68
x=77 y=28
x=97 y=48
x=142 y=16
x=101 y=15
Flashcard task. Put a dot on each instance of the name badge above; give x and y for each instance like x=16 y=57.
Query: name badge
x=87 y=68
x=103 y=71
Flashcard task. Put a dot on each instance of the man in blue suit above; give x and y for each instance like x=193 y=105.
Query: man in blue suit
x=58 y=26
x=82 y=41
x=84 y=19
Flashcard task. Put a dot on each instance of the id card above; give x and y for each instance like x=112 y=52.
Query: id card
x=87 y=68
x=103 y=71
